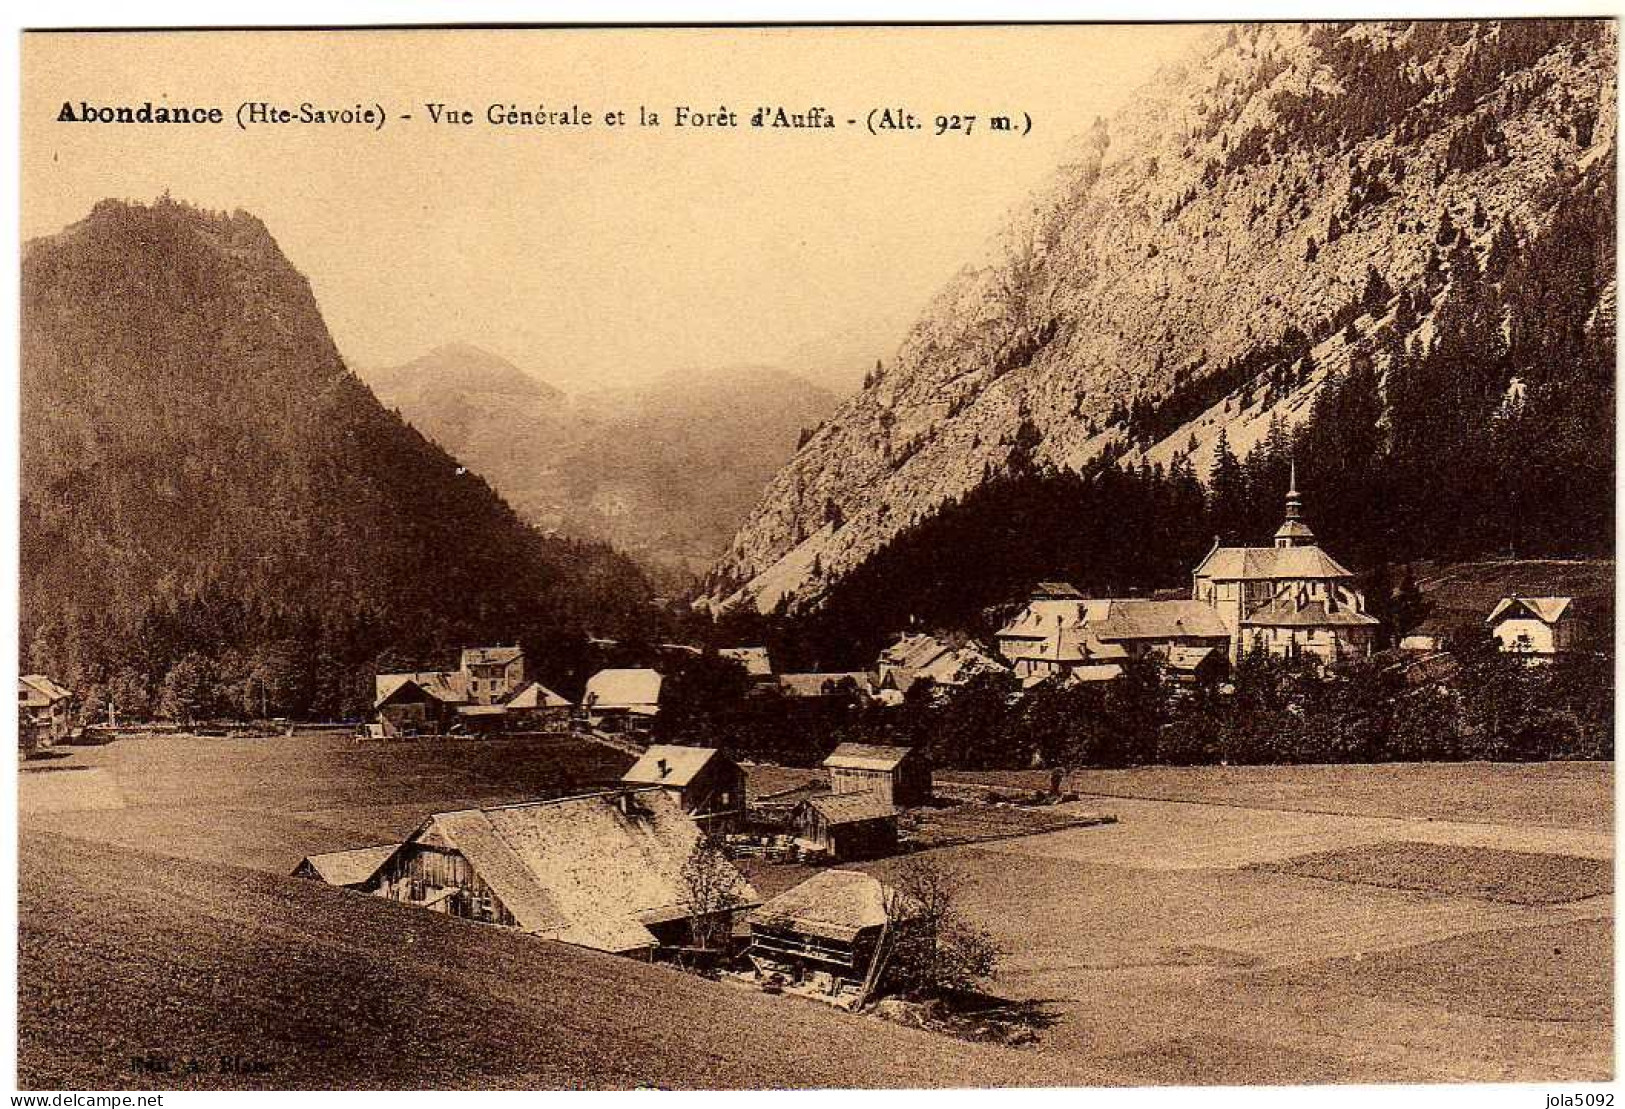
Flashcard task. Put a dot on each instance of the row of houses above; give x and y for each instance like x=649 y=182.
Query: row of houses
x=491 y=692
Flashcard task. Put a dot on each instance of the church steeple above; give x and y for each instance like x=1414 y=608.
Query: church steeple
x=1293 y=532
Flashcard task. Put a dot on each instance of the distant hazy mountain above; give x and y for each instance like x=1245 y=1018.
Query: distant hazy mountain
x=666 y=471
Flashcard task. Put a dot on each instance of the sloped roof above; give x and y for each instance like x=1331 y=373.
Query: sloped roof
x=681 y=765
x=620 y=689
x=1283 y=613
x=912 y=652
x=441 y=685
x=755 y=660
x=1270 y=563
x=535 y=695
x=836 y=904
x=1056 y=589
x=1189 y=659
x=350 y=868
x=43 y=686
x=867 y=756
x=813 y=685
x=581 y=870
x=1548 y=610
x=852 y=808
x=490 y=656
x=1141 y=619
x=482 y=710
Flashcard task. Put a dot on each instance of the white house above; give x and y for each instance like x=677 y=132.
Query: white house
x=1540 y=627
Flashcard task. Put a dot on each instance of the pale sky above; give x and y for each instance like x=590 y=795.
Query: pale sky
x=593 y=256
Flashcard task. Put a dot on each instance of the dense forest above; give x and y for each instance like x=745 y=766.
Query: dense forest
x=218 y=517
x=1475 y=418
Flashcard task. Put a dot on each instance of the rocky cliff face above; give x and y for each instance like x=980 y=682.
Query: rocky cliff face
x=1137 y=304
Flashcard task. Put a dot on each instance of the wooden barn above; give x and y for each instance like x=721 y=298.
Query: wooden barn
x=707 y=784
x=846 y=827
x=348 y=869
x=603 y=871
x=44 y=712
x=825 y=933
x=417 y=704
x=898 y=775
x=538 y=709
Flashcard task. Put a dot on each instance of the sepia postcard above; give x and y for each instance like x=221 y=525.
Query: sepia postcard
x=816 y=556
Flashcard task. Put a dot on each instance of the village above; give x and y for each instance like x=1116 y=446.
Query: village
x=743 y=870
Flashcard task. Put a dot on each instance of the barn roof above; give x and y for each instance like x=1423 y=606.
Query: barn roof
x=582 y=869
x=439 y=684
x=535 y=695
x=349 y=868
x=836 y=904
x=623 y=689
x=914 y=651
x=1187 y=660
x=1548 y=610
x=820 y=684
x=852 y=808
x=666 y=764
x=1270 y=563
x=866 y=756
x=44 y=687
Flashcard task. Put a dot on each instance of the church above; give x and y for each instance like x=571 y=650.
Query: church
x=1289 y=599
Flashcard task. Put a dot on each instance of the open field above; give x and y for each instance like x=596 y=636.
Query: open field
x=1237 y=925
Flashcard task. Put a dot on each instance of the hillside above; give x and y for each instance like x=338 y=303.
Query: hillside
x=666 y=472
x=127 y=954
x=1289 y=203
x=211 y=500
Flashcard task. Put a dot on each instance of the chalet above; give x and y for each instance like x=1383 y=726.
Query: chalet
x=491 y=675
x=708 y=785
x=622 y=699
x=1538 y=628
x=846 y=827
x=1289 y=599
x=755 y=660
x=897 y=775
x=432 y=702
x=347 y=869
x=603 y=871
x=44 y=712
x=825 y=933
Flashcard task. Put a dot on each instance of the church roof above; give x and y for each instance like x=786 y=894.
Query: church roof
x=1284 y=613
x=1270 y=564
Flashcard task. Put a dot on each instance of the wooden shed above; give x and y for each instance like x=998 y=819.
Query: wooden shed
x=846 y=826
x=708 y=784
x=824 y=933
x=898 y=775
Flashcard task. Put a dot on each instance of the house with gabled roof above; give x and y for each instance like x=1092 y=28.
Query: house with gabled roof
x=708 y=784
x=603 y=870
x=898 y=775
x=474 y=696
x=1536 y=627
x=845 y=827
x=44 y=712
